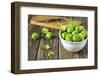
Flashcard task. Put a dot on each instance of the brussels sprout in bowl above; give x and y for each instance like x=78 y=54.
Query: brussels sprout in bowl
x=73 y=37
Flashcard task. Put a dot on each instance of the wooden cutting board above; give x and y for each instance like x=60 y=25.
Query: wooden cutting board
x=41 y=21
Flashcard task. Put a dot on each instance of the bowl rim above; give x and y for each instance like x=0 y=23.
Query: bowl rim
x=70 y=41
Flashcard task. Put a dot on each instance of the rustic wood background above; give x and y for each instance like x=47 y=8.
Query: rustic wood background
x=35 y=52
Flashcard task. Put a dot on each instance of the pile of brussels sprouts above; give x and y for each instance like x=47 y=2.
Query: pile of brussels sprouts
x=73 y=32
x=45 y=34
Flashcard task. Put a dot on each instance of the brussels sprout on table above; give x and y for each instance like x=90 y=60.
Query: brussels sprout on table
x=46 y=33
x=35 y=36
x=51 y=54
x=46 y=46
x=49 y=35
x=45 y=30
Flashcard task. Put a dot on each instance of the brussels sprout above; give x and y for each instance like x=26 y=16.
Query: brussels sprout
x=77 y=28
x=81 y=36
x=63 y=28
x=72 y=24
x=64 y=35
x=46 y=46
x=45 y=30
x=49 y=35
x=35 y=36
x=68 y=37
x=70 y=29
x=82 y=28
x=76 y=38
x=84 y=33
x=61 y=31
x=74 y=32
x=50 y=53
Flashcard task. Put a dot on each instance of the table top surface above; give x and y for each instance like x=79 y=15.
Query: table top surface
x=35 y=52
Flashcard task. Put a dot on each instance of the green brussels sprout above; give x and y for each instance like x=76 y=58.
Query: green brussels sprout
x=82 y=28
x=68 y=37
x=64 y=35
x=84 y=33
x=45 y=30
x=51 y=54
x=49 y=35
x=70 y=29
x=76 y=38
x=35 y=36
x=46 y=46
x=81 y=36
x=77 y=28
x=72 y=24
x=63 y=28
x=74 y=32
x=61 y=31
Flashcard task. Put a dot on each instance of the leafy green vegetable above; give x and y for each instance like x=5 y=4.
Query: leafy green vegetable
x=51 y=53
x=84 y=33
x=76 y=38
x=70 y=29
x=49 y=35
x=46 y=46
x=68 y=37
x=82 y=28
x=35 y=36
x=73 y=23
x=64 y=35
x=77 y=28
x=73 y=32
x=64 y=28
x=45 y=30
x=81 y=36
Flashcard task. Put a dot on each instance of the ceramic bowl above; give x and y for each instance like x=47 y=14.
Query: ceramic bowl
x=73 y=46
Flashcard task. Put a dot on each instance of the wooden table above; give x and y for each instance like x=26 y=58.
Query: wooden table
x=35 y=52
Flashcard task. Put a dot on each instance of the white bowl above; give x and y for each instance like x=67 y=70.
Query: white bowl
x=73 y=46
